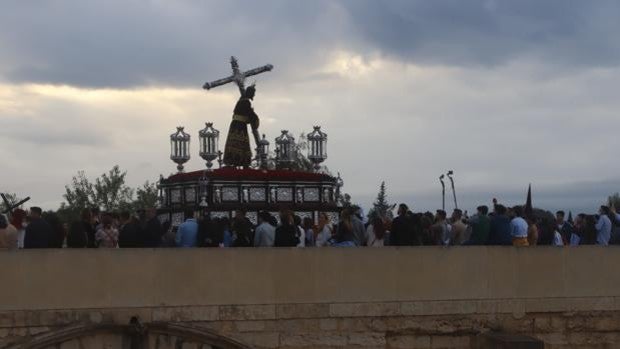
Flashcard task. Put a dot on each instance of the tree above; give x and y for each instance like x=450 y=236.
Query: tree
x=111 y=193
x=146 y=196
x=80 y=194
x=614 y=200
x=381 y=208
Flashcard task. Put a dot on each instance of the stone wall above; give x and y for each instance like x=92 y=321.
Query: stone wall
x=427 y=297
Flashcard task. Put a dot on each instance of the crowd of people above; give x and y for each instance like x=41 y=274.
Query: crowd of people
x=502 y=226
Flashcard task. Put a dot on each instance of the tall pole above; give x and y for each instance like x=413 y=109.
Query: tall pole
x=450 y=174
x=443 y=193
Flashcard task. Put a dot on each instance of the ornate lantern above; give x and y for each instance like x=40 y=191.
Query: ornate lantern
x=179 y=147
x=209 y=139
x=317 y=149
x=263 y=152
x=285 y=150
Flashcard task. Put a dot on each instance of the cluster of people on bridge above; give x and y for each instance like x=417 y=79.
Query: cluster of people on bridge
x=502 y=226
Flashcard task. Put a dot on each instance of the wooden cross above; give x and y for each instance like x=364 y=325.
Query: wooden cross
x=9 y=206
x=238 y=77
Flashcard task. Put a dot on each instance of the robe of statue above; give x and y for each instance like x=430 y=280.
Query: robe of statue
x=237 y=151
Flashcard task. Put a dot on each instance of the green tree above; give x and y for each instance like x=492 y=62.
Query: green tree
x=381 y=208
x=146 y=196
x=614 y=200
x=111 y=192
x=80 y=193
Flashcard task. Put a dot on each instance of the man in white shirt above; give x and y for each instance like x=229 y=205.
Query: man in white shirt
x=603 y=226
x=265 y=233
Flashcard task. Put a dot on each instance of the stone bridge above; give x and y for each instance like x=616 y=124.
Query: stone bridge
x=419 y=297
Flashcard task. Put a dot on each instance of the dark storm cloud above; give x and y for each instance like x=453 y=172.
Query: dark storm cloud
x=487 y=32
x=135 y=43
x=132 y=43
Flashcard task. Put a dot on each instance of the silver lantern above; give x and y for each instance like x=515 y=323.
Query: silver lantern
x=263 y=152
x=209 y=139
x=179 y=147
x=317 y=147
x=285 y=150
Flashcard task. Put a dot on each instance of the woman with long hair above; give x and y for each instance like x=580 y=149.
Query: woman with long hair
x=286 y=233
x=324 y=230
x=344 y=236
x=375 y=233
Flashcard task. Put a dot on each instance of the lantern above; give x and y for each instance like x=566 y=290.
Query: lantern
x=263 y=152
x=209 y=138
x=179 y=147
x=317 y=147
x=285 y=150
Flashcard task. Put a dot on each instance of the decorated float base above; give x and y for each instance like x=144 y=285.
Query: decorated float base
x=219 y=192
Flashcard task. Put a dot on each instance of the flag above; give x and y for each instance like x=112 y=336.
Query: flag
x=528 y=202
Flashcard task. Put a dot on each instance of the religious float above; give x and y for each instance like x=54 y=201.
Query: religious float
x=242 y=181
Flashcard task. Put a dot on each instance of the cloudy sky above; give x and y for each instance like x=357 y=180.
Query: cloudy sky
x=505 y=93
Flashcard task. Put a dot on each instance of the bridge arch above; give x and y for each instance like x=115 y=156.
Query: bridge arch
x=155 y=335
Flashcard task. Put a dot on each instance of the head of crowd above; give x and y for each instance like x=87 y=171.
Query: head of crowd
x=498 y=225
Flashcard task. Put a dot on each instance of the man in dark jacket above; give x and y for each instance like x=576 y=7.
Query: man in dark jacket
x=153 y=231
x=82 y=233
x=39 y=233
x=403 y=232
x=129 y=235
x=499 y=232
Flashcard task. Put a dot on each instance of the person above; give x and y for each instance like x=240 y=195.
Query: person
x=499 y=231
x=286 y=232
x=57 y=240
x=324 y=231
x=8 y=234
x=480 y=226
x=359 y=231
x=345 y=236
x=18 y=217
x=206 y=232
x=532 y=231
x=129 y=235
x=227 y=236
x=153 y=231
x=402 y=233
x=242 y=231
x=518 y=228
x=564 y=228
x=458 y=228
x=265 y=233
x=375 y=232
x=38 y=232
x=603 y=226
x=81 y=231
x=97 y=218
x=237 y=151
x=308 y=225
x=187 y=233
x=107 y=235
x=440 y=230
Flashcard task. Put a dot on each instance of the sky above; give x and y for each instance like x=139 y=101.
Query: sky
x=505 y=93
